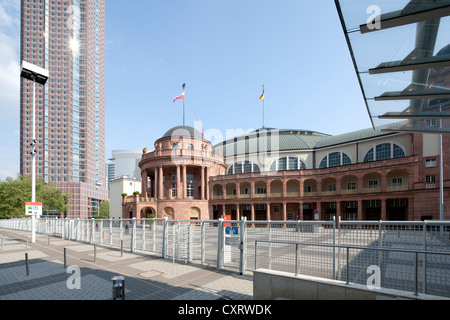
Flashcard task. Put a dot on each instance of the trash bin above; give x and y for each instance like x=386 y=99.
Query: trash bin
x=118 y=289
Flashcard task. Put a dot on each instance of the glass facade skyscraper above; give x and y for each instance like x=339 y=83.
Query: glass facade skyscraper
x=68 y=39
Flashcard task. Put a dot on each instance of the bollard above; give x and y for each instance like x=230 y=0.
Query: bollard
x=118 y=289
x=121 y=248
x=65 y=260
x=95 y=252
x=27 y=265
x=2 y=243
x=48 y=240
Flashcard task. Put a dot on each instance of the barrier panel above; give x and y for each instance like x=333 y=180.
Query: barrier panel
x=342 y=249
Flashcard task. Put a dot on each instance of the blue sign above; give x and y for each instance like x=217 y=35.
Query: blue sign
x=232 y=230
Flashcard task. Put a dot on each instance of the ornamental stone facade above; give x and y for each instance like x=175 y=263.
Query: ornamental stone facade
x=272 y=174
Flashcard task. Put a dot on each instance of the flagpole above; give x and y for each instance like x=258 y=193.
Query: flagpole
x=264 y=98
x=184 y=115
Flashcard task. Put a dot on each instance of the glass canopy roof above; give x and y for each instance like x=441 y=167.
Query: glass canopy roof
x=401 y=53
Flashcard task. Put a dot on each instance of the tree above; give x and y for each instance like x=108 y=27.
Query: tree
x=15 y=192
x=104 y=210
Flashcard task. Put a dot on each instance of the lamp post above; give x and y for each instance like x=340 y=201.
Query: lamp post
x=37 y=75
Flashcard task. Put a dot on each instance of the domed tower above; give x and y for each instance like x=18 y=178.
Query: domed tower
x=175 y=176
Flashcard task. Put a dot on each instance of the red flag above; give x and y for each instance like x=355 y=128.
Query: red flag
x=181 y=96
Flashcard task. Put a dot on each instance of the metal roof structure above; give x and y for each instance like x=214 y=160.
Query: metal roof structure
x=400 y=51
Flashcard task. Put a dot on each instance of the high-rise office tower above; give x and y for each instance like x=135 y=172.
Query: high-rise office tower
x=67 y=38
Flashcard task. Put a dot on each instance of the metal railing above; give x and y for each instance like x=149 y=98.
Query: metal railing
x=347 y=260
x=232 y=244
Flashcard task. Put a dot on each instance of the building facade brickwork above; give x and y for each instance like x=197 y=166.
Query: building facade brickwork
x=272 y=174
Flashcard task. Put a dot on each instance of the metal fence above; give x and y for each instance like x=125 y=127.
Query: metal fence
x=410 y=256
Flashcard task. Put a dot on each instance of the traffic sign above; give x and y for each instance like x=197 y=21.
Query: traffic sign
x=232 y=230
x=33 y=208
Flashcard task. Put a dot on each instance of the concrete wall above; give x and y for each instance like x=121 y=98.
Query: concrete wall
x=277 y=285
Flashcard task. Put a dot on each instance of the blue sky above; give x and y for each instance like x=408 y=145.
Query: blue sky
x=224 y=50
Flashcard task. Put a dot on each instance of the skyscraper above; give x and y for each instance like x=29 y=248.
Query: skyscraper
x=68 y=39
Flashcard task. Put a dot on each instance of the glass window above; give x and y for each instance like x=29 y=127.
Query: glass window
x=293 y=163
x=373 y=184
x=260 y=190
x=174 y=189
x=282 y=164
x=346 y=159
x=383 y=151
x=190 y=189
x=302 y=165
x=396 y=182
x=430 y=163
x=323 y=163
x=247 y=167
x=369 y=156
x=398 y=152
x=334 y=159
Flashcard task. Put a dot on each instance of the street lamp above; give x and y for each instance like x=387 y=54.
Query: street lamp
x=37 y=75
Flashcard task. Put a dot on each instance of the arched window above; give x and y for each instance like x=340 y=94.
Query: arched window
x=384 y=151
x=174 y=146
x=190 y=147
x=243 y=167
x=287 y=163
x=323 y=163
x=398 y=152
x=335 y=159
x=369 y=156
x=346 y=159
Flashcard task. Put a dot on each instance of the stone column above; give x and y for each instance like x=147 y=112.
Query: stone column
x=284 y=214
x=161 y=182
x=207 y=183
x=267 y=210
x=300 y=210
x=178 y=182
x=253 y=212
x=184 y=184
x=156 y=184
x=360 y=210
x=144 y=183
x=202 y=183
x=252 y=189
x=383 y=209
x=338 y=210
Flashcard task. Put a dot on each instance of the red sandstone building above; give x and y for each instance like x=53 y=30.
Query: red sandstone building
x=272 y=174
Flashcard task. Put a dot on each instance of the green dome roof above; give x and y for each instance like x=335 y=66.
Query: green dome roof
x=182 y=131
x=267 y=139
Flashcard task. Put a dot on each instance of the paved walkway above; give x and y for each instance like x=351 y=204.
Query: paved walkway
x=147 y=276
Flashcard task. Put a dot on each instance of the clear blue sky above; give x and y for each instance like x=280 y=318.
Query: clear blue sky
x=224 y=50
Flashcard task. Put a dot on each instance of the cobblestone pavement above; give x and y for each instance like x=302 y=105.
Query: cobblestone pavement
x=88 y=276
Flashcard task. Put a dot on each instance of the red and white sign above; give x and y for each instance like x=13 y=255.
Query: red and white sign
x=33 y=208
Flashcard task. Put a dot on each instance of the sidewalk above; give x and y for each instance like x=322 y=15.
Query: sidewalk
x=147 y=276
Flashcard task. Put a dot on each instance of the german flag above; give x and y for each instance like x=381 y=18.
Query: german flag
x=262 y=96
